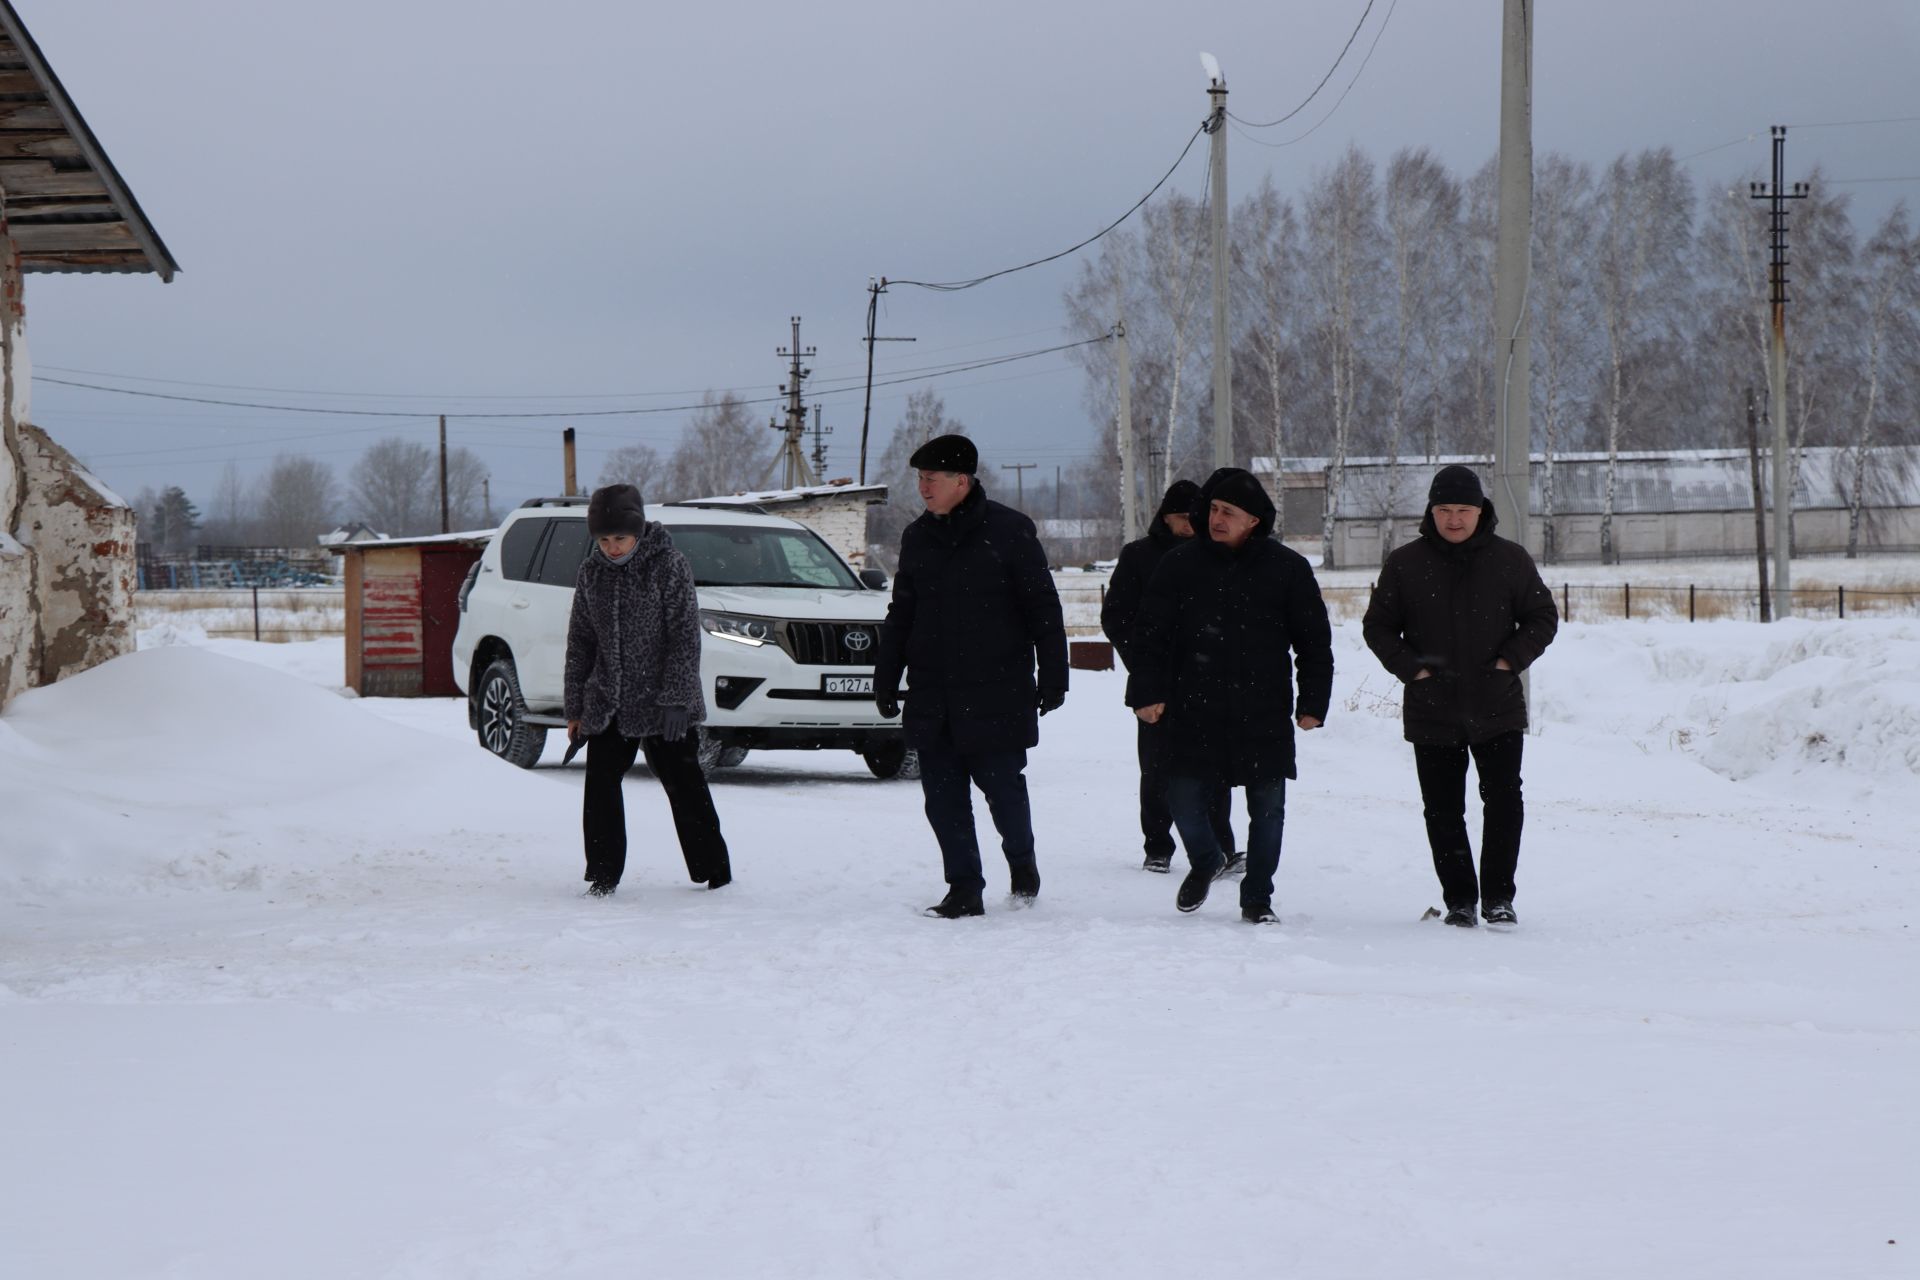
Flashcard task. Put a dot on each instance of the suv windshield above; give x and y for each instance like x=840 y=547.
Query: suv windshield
x=745 y=556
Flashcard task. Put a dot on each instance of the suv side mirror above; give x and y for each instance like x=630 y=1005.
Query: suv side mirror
x=874 y=579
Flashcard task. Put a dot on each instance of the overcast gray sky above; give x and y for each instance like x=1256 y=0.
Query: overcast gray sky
x=426 y=203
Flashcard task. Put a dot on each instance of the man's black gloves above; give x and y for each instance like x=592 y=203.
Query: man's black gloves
x=1052 y=700
x=673 y=723
x=887 y=704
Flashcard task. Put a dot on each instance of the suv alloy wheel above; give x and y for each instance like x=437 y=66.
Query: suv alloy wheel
x=503 y=717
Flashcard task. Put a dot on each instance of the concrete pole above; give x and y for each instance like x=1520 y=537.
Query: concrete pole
x=1222 y=352
x=1777 y=392
x=1129 y=508
x=567 y=485
x=1512 y=371
x=444 y=526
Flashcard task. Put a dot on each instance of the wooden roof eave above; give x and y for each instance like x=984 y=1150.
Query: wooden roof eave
x=145 y=250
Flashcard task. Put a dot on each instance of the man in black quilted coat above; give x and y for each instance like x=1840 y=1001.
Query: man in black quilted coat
x=974 y=608
x=1457 y=615
x=633 y=685
x=1211 y=665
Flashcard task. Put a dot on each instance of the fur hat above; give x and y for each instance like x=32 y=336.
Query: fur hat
x=616 y=508
x=946 y=453
x=1456 y=486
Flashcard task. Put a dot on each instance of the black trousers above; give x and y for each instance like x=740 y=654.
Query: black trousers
x=604 y=812
x=947 y=777
x=1156 y=818
x=1443 y=791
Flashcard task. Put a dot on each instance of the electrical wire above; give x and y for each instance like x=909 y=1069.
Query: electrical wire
x=1268 y=124
x=585 y=413
x=1343 y=93
x=1707 y=151
x=955 y=286
x=1846 y=124
x=1909 y=178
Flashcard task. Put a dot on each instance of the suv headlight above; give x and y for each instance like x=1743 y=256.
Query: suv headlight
x=737 y=627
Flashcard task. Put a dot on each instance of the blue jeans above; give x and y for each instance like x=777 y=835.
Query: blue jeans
x=1190 y=797
x=947 y=777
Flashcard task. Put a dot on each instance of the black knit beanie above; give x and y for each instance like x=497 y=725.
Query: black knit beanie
x=946 y=453
x=1456 y=486
x=616 y=508
x=1238 y=487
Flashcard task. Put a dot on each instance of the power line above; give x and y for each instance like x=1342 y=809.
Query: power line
x=1847 y=124
x=571 y=414
x=1268 y=124
x=1343 y=93
x=954 y=286
x=445 y=397
x=1909 y=178
x=1722 y=146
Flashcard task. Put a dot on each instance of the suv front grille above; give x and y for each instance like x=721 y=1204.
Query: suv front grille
x=831 y=644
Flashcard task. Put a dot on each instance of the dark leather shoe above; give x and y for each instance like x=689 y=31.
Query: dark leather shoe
x=1499 y=913
x=1461 y=917
x=958 y=904
x=1259 y=915
x=1160 y=862
x=1193 y=890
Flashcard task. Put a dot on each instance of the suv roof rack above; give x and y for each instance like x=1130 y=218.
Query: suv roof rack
x=707 y=504
x=575 y=500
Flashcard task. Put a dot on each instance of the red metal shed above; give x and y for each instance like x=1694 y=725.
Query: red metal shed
x=403 y=606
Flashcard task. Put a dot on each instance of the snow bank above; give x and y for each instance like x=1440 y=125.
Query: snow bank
x=1794 y=699
x=176 y=764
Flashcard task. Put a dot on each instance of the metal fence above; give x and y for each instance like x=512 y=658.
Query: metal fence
x=1606 y=602
x=251 y=613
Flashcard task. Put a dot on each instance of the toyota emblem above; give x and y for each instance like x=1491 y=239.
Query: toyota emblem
x=859 y=641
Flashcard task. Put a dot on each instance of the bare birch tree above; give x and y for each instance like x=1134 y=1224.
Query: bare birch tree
x=1344 y=260
x=1422 y=209
x=1562 y=309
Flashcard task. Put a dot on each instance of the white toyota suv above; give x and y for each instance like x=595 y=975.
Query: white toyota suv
x=790 y=634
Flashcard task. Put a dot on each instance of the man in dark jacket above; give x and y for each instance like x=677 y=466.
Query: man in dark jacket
x=1119 y=610
x=973 y=603
x=633 y=685
x=1210 y=665
x=1457 y=615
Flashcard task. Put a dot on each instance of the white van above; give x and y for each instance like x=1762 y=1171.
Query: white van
x=790 y=635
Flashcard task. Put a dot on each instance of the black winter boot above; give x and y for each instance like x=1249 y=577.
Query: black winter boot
x=957 y=904
x=1499 y=913
x=1259 y=915
x=1193 y=890
x=1461 y=917
x=1025 y=878
x=1160 y=862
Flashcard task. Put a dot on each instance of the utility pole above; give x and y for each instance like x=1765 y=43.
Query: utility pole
x=444 y=526
x=820 y=434
x=1129 y=510
x=1056 y=491
x=1759 y=503
x=1512 y=369
x=567 y=483
x=1778 y=195
x=874 y=289
x=486 y=500
x=1222 y=352
x=793 y=453
x=1019 y=470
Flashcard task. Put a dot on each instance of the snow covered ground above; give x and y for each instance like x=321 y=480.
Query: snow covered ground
x=294 y=984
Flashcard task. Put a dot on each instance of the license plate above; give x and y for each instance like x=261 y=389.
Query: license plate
x=846 y=684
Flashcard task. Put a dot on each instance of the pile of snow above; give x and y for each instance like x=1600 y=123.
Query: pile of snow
x=1746 y=700
x=178 y=765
